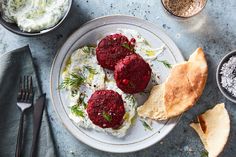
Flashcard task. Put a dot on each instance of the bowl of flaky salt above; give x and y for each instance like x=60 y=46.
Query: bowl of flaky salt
x=226 y=76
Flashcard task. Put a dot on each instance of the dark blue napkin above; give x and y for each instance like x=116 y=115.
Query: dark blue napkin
x=13 y=65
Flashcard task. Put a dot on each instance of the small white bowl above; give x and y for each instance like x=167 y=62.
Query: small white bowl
x=15 y=29
x=218 y=76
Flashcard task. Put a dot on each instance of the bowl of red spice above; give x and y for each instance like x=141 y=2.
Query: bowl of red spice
x=226 y=76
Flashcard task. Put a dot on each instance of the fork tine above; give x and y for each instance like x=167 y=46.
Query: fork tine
x=20 y=92
x=24 y=83
x=31 y=84
x=22 y=88
x=25 y=92
x=27 y=83
x=27 y=88
x=31 y=95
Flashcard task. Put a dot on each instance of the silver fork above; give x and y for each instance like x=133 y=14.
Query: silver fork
x=24 y=102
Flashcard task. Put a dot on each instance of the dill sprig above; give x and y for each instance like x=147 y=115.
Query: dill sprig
x=87 y=49
x=90 y=69
x=165 y=63
x=146 y=125
x=77 y=111
x=127 y=46
x=106 y=116
x=73 y=80
x=81 y=100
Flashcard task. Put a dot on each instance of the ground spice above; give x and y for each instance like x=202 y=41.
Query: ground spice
x=228 y=75
x=184 y=8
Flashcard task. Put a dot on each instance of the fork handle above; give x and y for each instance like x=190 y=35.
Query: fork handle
x=20 y=136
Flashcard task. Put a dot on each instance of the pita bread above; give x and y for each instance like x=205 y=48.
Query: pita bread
x=213 y=129
x=180 y=91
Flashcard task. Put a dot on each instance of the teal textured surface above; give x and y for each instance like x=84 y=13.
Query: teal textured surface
x=213 y=29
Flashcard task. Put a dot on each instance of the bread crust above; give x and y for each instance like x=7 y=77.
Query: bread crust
x=180 y=91
x=213 y=129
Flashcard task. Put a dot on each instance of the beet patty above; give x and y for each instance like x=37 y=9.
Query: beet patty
x=112 y=48
x=132 y=74
x=106 y=109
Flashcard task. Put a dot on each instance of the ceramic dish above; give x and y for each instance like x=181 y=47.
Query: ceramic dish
x=15 y=29
x=218 y=76
x=137 y=137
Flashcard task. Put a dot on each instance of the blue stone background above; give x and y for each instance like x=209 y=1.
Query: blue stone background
x=214 y=29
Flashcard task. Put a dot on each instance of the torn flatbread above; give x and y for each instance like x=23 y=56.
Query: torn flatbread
x=213 y=129
x=180 y=91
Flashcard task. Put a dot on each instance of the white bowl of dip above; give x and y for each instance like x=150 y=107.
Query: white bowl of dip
x=35 y=18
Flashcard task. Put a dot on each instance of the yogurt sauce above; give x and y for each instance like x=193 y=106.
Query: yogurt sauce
x=34 y=15
x=104 y=79
x=83 y=62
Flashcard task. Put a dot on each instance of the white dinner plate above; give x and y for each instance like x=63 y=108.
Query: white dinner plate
x=137 y=137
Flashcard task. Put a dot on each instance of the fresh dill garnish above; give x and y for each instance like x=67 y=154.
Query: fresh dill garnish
x=204 y=153
x=106 y=116
x=127 y=46
x=74 y=93
x=77 y=111
x=87 y=49
x=146 y=125
x=165 y=63
x=90 y=69
x=73 y=80
x=81 y=100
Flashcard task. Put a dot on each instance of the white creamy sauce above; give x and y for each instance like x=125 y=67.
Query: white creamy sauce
x=95 y=81
x=104 y=79
x=34 y=15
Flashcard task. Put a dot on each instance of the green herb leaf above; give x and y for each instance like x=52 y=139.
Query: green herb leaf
x=90 y=69
x=204 y=153
x=74 y=93
x=165 y=62
x=106 y=116
x=77 y=111
x=146 y=125
x=127 y=46
x=81 y=100
x=73 y=80
x=87 y=49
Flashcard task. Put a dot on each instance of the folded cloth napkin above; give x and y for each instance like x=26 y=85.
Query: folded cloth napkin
x=13 y=65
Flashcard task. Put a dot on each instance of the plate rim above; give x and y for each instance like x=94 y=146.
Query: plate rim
x=109 y=19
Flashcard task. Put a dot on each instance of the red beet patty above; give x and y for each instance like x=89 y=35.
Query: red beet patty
x=132 y=74
x=106 y=109
x=112 y=48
